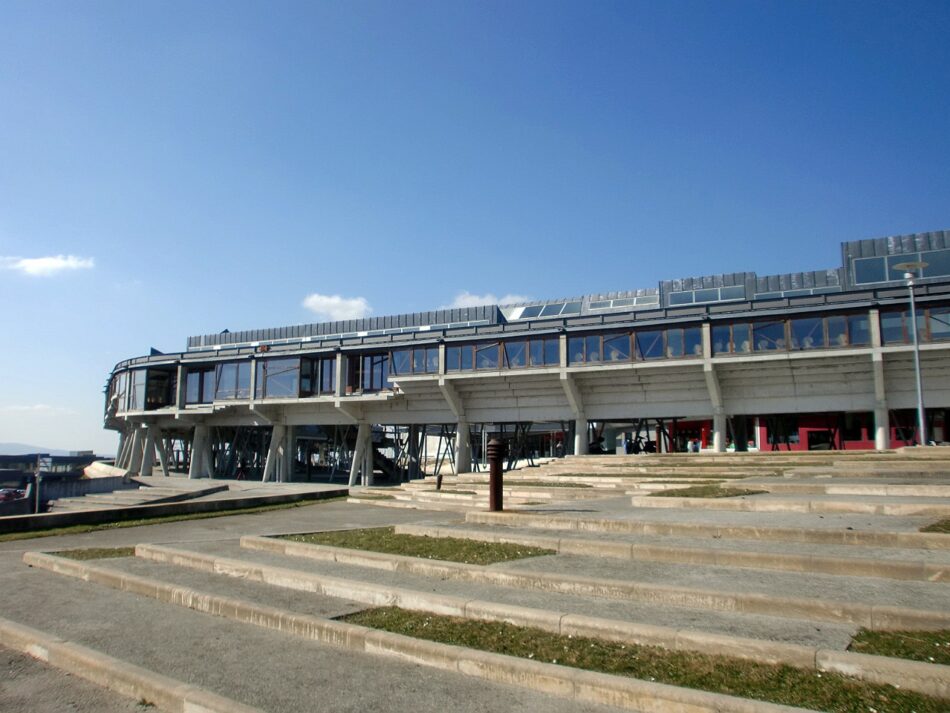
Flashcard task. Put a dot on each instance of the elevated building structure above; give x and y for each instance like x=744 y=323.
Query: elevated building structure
x=819 y=359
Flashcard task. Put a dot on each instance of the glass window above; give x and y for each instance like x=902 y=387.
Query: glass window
x=375 y=372
x=399 y=362
x=328 y=376
x=243 y=387
x=532 y=311
x=552 y=351
x=707 y=295
x=837 y=331
x=741 y=338
x=225 y=380
x=280 y=378
x=674 y=342
x=418 y=361
x=467 y=358
x=137 y=392
x=453 y=358
x=768 y=336
x=552 y=310
x=869 y=269
x=807 y=333
x=938 y=263
x=308 y=376
x=193 y=387
x=859 y=331
x=721 y=337
x=536 y=352
x=649 y=344
x=516 y=354
x=617 y=347
x=592 y=345
x=938 y=323
x=736 y=292
x=486 y=356
x=892 y=328
x=681 y=298
x=572 y=308
x=120 y=391
x=693 y=341
x=575 y=350
x=432 y=360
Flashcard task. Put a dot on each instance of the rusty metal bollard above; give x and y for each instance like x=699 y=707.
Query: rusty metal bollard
x=496 y=455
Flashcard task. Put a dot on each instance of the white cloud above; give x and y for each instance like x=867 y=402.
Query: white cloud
x=467 y=299
x=46 y=266
x=334 y=307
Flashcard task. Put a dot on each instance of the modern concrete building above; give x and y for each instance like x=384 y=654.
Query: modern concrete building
x=822 y=359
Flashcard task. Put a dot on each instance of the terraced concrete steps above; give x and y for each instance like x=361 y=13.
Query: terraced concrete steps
x=889 y=563
x=148 y=495
x=307 y=647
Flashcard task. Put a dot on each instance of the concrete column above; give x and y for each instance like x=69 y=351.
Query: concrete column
x=719 y=432
x=148 y=452
x=120 y=450
x=463 y=448
x=882 y=429
x=368 y=451
x=580 y=436
x=200 y=465
x=275 y=453
x=162 y=452
x=136 y=449
x=289 y=455
x=363 y=435
x=180 y=388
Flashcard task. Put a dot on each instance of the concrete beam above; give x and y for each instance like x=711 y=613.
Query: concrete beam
x=452 y=398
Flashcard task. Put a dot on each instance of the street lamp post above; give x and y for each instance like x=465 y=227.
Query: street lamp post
x=909 y=268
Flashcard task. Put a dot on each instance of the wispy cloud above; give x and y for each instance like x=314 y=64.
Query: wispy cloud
x=36 y=409
x=46 y=266
x=467 y=299
x=334 y=307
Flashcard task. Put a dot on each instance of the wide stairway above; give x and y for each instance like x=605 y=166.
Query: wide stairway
x=839 y=545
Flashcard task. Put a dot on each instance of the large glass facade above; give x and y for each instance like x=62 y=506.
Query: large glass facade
x=933 y=325
x=795 y=334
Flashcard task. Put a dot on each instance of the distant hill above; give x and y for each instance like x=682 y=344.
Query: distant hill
x=19 y=449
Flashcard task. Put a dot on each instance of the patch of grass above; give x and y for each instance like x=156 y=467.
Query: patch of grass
x=704 y=491
x=96 y=553
x=160 y=520
x=939 y=526
x=929 y=646
x=720 y=674
x=385 y=539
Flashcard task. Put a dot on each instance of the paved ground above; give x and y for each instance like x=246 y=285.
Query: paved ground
x=245 y=663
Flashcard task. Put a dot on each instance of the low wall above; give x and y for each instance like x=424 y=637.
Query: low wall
x=44 y=521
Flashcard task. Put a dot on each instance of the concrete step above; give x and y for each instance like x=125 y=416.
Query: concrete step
x=889 y=563
x=869 y=504
x=776 y=527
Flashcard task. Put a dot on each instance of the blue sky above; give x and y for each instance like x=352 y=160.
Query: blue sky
x=190 y=167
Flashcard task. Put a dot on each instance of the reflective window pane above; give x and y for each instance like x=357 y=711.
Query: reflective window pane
x=617 y=347
x=693 y=341
x=575 y=350
x=674 y=342
x=225 y=378
x=572 y=308
x=515 y=354
x=807 y=333
x=859 y=331
x=892 y=328
x=681 y=298
x=467 y=358
x=938 y=263
x=529 y=312
x=552 y=352
x=736 y=292
x=432 y=360
x=453 y=358
x=837 y=331
x=280 y=378
x=418 y=361
x=592 y=345
x=869 y=269
x=649 y=344
x=486 y=357
x=938 y=323
x=741 y=338
x=768 y=336
x=552 y=310
x=400 y=362
x=243 y=386
x=721 y=337
x=707 y=295
x=536 y=352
